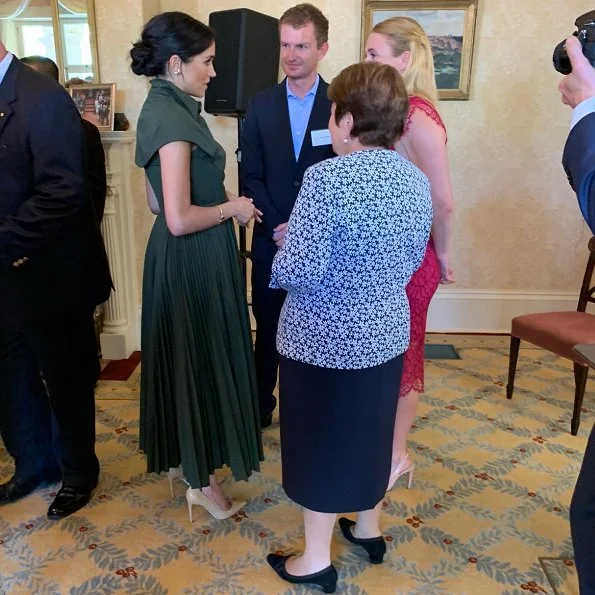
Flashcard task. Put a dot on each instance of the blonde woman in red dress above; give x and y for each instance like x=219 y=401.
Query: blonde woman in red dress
x=402 y=43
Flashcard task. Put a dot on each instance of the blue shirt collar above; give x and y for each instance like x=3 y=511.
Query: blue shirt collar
x=311 y=92
x=4 y=66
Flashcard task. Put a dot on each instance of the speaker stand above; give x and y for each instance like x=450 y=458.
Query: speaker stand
x=245 y=254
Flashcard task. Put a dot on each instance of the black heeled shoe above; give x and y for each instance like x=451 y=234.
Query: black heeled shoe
x=374 y=546
x=326 y=579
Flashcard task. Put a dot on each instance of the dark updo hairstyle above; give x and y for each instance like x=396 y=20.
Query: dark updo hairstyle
x=375 y=95
x=165 y=35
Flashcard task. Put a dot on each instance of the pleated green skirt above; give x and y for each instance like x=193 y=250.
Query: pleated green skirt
x=199 y=404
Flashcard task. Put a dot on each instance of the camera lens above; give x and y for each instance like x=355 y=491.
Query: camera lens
x=561 y=60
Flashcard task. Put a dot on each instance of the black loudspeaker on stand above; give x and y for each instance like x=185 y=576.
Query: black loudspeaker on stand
x=246 y=62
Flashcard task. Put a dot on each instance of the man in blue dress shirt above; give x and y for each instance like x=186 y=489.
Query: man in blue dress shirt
x=578 y=91
x=285 y=132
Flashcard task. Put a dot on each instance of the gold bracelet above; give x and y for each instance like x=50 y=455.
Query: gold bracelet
x=221 y=215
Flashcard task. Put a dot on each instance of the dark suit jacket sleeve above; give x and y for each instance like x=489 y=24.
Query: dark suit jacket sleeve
x=59 y=192
x=96 y=175
x=579 y=163
x=252 y=171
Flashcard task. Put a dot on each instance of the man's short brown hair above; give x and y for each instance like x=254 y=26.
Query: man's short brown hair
x=375 y=95
x=301 y=15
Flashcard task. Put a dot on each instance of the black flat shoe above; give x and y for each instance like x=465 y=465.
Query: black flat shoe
x=326 y=579
x=374 y=546
x=69 y=500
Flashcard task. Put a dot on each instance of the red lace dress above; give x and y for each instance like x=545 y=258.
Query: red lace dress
x=423 y=284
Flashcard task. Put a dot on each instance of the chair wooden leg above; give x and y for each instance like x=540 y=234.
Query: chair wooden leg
x=580 y=380
x=515 y=343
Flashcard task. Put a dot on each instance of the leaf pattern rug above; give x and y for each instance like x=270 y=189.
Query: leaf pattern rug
x=487 y=512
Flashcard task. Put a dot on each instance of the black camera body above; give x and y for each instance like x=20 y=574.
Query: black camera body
x=586 y=35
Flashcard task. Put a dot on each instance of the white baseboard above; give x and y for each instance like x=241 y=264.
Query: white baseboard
x=119 y=345
x=481 y=311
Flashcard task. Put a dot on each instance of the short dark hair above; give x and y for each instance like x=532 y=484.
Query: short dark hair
x=375 y=95
x=301 y=15
x=42 y=64
x=169 y=34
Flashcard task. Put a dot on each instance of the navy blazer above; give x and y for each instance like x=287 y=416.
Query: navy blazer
x=270 y=174
x=96 y=174
x=579 y=164
x=52 y=256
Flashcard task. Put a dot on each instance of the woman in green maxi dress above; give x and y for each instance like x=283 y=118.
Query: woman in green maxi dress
x=199 y=405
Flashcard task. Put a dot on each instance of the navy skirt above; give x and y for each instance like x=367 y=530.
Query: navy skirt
x=337 y=433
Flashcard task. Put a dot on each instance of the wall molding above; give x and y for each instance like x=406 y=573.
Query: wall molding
x=480 y=311
x=490 y=311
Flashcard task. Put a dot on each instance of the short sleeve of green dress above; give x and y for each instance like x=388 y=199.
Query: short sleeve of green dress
x=199 y=405
x=169 y=115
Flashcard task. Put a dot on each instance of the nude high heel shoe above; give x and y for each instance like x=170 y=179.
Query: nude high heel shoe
x=196 y=497
x=401 y=467
x=178 y=473
x=175 y=473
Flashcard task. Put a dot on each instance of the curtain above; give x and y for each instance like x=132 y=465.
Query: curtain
x=75 y=6
x=10 y=9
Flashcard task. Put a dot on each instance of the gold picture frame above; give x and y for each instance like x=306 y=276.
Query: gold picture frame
x=450 y=25
x=96 y=103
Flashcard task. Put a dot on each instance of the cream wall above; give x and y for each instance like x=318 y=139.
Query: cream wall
x=518 y=230
x=118 y=26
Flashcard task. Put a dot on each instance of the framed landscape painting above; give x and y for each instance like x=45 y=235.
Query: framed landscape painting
x=450 y=25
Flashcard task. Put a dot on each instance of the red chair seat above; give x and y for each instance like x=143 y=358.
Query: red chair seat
x=557 y=332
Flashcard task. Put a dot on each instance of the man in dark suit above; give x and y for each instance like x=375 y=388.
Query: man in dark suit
x=53 y=272
x=578 y=91
x=285 y=132
x=96 y=174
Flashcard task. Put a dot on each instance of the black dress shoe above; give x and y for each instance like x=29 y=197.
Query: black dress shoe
x=266 y=421
x=69 y=499
x=374 y=546
x=326 y=579
x=19 y=487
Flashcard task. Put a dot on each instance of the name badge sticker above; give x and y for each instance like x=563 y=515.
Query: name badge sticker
x=321 y=137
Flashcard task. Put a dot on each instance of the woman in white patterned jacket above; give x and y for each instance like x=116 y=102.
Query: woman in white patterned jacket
x=358 y=231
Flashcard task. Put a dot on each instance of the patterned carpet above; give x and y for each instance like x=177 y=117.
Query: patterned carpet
x=487 y=512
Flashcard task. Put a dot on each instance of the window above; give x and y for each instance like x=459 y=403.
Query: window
x=36 y=39
x=57 y=29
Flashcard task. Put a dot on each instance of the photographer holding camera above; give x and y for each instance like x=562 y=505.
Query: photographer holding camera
x=578 y=91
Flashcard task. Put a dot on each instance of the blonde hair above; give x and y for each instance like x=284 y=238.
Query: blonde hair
x=406 y=34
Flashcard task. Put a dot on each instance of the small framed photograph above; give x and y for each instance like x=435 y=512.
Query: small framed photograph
x=96 y=103
x=450 y=26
